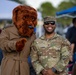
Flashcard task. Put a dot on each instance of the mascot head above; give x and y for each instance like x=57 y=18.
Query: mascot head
x=25 y=19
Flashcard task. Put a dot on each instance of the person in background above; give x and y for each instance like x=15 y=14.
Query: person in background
x=71 y=36
x=50 y=52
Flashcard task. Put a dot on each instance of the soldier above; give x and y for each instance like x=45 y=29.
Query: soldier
x=50 y=52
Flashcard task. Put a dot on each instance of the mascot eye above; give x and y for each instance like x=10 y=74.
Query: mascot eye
x=24 y=17
x=33 y=19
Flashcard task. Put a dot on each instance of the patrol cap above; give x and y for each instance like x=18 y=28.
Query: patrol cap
x=49 y=18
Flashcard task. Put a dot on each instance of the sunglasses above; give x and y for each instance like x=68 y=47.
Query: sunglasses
x=49 y=22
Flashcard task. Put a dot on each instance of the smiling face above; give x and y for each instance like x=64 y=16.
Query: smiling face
x=25 y=19
x=49 y=24
x=49 y=27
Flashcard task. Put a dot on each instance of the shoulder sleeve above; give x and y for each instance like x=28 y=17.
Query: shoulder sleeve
x=64 y=56
x=5 y=43
x=34 y=57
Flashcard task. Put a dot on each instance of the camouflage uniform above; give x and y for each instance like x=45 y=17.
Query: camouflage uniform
x=48 y=53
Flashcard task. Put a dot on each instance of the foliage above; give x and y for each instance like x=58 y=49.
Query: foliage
x=65 y=5
x=73 y=1
x=64 y=20
x=47 y=8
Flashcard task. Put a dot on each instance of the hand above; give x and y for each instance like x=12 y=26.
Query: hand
x=33 y=37
x=20 y=44
x=50 y=72
x=71 y=58
x=44 y=72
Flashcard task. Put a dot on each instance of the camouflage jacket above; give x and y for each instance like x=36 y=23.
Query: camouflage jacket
x=48 y=53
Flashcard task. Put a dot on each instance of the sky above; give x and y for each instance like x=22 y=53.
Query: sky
x=36 y=3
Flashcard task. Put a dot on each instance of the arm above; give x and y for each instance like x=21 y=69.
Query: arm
x=5 y=43
x=64 y=56
x=72 y=48
x=34 y=58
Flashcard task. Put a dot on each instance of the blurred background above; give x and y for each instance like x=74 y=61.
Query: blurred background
x=43 y=7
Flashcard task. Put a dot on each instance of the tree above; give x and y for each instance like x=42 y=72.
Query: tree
x=63 y=6
x=47 y=8
x=73 y=1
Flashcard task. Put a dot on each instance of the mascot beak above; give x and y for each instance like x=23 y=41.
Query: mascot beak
x=31 y=27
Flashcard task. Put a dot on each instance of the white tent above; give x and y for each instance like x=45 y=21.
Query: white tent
x=6 y=8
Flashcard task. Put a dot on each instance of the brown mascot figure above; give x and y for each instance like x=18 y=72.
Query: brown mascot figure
x=15 y=41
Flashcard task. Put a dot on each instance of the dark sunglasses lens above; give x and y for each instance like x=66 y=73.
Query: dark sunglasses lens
x=51 y=22
x=46 y=23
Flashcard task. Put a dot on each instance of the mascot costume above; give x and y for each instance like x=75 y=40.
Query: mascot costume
x=15 y=41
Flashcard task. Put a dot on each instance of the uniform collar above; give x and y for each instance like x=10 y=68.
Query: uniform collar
x=44 y=38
